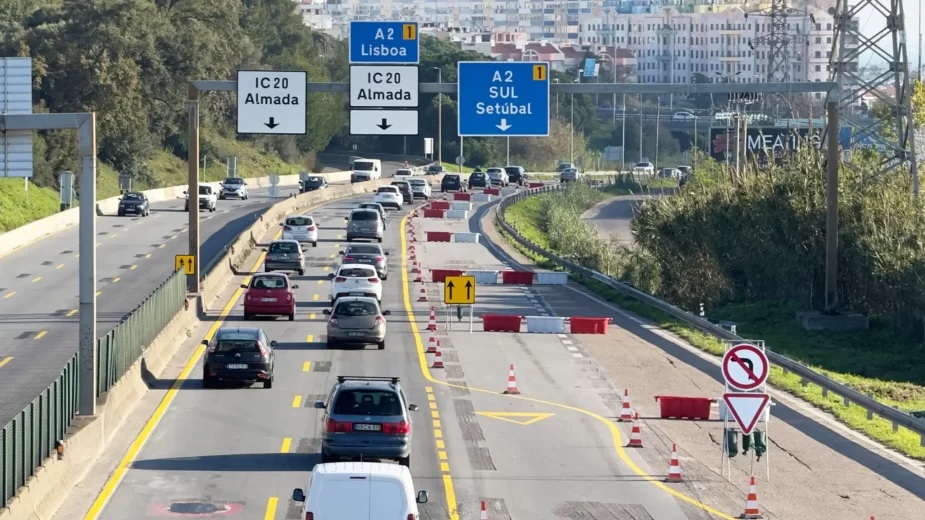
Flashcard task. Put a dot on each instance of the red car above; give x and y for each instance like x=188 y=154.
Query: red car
x=269 y=294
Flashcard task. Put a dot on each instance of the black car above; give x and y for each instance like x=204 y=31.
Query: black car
x=238 y=354
x=134 y=203
x=434 y=169
x=367 y=418
x=406 y=194
x=478 y=180
x=312 y=183
x=451 y=182
x=516 y=175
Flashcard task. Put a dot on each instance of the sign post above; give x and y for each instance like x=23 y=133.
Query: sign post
x=503 y=99
x=745 y=369
x=460 y=290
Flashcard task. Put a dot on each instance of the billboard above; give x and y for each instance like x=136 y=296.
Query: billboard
x=762 y=143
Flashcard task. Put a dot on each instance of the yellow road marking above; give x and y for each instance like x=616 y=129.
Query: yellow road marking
x=110 y=487
x=325 y=268
x=271 y=508
x=429 y=389
x=41 y=335
x=340 y=236
x=287 y=442
x=320 y=282
x=173 y=237
x=116 y=279
x=310 y=338
x=99 y=293
x=615 y=434
x=77 y=255
x=311 y=316
x=71 y=312
x=433 y=405
x=511 y=417
x=315 y=297
x=134 y=266
x=435 y=414
x=440 y=445
x=307 y=366
x=162 y=246
x=59 y=266
x=445 y=467
x=442 y=455
x=332 y=255
x=8 y=295
x=296 y=401
x=97 y=244
x=436 y=423
x=37 y=278
x=336 y=246
x=5 y=361
x=430 y=397
x=148 y=256
x=438 y=434
x=112 y=235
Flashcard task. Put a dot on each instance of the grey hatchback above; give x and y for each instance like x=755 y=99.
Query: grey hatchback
x=238 y=354
x=285 y=255
x=356 y=320
x=364 y=223
x=371 y=254
x=367 y=418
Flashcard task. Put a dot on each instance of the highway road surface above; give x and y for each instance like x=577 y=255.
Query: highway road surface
x=612 y=218
x=39 y=293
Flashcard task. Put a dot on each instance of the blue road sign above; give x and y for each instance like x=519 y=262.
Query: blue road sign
x=385 y=42
x=503 y=98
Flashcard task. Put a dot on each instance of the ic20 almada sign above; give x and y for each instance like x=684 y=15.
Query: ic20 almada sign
x=271 y=102
x=380 y=42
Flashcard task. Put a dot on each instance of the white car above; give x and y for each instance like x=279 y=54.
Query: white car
x=389 y=197
x=233 y=187
x=359 y=491
x=208 y=198
x=420 y=188
x=644 y=168
x=403 y=174
x=684 y=116
x=300 y=228
x=497 y=176
x=356 y=280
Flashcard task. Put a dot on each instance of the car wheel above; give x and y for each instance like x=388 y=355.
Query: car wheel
x=405 y=461
x=325 y=458
x=379 y=239
x=268 y=383
x=247 y=317
x=384 y=277
x=206 y=381
x=121 y=214
x=381 y=345
x=213 y=209
x=301 y=272
x=331 y=343
x=292 y=316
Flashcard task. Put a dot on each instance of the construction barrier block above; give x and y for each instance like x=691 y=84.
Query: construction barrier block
x=545 y=324
x=500 y=323
x=589 y=325
x=673 y=407
x=439 y=275
x=491 y=191
x=517 y=277
x=461 y=206
x=481 y=197
x=439 y=236
x=484 y=277
x=552 y=278
x=532 y=185
x=457 y=214
x=471 y=238
x=434 y=213
x=462 y=196
x=440 y=204
x=726 y=415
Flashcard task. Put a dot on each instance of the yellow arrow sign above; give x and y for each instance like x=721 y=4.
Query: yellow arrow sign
x=521 y=418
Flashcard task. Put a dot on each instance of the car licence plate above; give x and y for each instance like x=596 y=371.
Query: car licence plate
x=356 y=293
x=235 y=367
x=363 y=427
x=268 y=300
x=356 y=334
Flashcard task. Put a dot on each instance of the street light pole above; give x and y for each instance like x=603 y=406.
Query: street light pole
x=439 y=118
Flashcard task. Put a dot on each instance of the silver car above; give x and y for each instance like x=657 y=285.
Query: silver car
x=371 y=254
x=497 y=176
x=364 y=223
x=284 y=255
x=378 y=207
x=233 y=187
x=356 y=320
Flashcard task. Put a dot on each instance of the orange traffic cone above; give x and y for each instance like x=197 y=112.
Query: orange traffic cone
x=751 y=502
x=511 y=382
x=674 y=468
x=636 y=434
x=423 y=297
x=484 y=514
x=438 y=360
x=627 y=413
x=431 y=345
x=432 y=321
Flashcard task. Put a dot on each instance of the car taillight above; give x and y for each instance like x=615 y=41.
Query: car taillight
x=288 y=297
x=380 y=258
x=400 y=427
x=333 y=426
x=348 y=259
x=380 y=320
x=287 y=228
x=301 y=258
x=412 y=517
x=263 y=351
x=340 y=279
x=309 y=516
x=311 y=228
x=333 y=320
x=372 y=280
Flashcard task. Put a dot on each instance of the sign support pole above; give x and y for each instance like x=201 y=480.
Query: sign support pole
x=192 y=281
x=471 y=313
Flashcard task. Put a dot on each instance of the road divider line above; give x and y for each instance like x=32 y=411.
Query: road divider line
x=116 y=478
x=325 y=268
x=5 y=360
x=71 y=313
x=112 y=235
x=332 y=255
x=37 y=278
x=297 y=401
x=271 y=508
x=307 y=366
x=9 y=295
x=311 y=317
x=59 y=266
x=41 y=335
x=133 y=267
x=614 y=431
x=116 y=279
x=99 y=293
x=162 y=246
x=320 y=282
x=287 y=443
x=147 y=256
x=315 y=297
x=310 y=338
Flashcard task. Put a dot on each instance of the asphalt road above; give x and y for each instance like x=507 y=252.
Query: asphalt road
x=39 y=292
x=251 y=446
x=612 y=218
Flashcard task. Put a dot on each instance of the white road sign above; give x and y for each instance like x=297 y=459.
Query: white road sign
x=746 y=408
x=745 y=367
x=386 y=86
x=383 y=122
x=271 y=102
x=16 y=98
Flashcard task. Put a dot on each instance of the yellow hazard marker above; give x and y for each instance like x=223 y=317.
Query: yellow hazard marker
x=521 y=418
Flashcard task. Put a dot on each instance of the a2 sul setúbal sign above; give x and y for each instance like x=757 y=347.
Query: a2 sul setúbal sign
x=503 y=98
x=381 y=42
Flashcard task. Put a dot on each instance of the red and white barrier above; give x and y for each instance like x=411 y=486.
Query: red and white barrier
x=467 y=238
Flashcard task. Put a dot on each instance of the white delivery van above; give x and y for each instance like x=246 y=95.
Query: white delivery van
x=366 y=170
x=360 y=491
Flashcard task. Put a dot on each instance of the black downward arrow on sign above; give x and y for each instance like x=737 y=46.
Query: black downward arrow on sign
x=449 y=290
x=272 y=124
x=384 y=124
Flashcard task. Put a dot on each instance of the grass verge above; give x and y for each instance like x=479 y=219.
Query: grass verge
x=774 y=322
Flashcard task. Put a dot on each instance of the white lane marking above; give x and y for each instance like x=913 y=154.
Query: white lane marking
x=543 y=313
x=577 y=355
x=571 y=349
x=566 y=342
x=561 y=336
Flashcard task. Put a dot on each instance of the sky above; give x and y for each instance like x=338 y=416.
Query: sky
x=914 y=11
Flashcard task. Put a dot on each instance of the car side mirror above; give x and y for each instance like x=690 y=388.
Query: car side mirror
x=298 y=495
x=413 y=407
x=326 y=312
x=244 y=286
x=386 y=313
x=422 y=497
x=274 y=343
x=295 y=286
x=186 y=193
x=205 y=342
x=387 y=253
x=346 y=219
x=340 y=252
x=282 y=224
x=320 y=405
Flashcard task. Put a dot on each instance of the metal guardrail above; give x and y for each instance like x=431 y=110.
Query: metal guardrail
x=807 y=375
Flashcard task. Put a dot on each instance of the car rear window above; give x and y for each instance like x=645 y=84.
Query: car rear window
x=132 y=196
x=417 y=182
x=364 y=215
x=314 y=181
x=269 y=282
x=452 y=178
x=367 y=402
x=234 y=180
x=364 y=250
x=284 y=247
x=205 y=190
x=388 y=189
x=356 y=308
x=299 y=221
x=375 y=207
x=357 y=272
x=234 y=346
x=363 y=166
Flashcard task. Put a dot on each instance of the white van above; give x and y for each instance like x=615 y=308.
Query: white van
x=360 y=491
x=366 y=170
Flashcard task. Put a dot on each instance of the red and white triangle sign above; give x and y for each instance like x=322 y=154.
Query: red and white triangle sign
x=746 y=408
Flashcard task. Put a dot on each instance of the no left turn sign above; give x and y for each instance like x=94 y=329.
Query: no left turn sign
x=745 y=367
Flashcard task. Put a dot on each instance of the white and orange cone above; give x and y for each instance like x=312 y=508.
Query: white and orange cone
x=511 y=382
x=432 y=321
x=674 y=467
x=484 y=514
x=431 y=345
x=423 y=297
x=626 y=414
x=751 y=503
x=438 y=360
x=636 y=434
